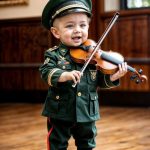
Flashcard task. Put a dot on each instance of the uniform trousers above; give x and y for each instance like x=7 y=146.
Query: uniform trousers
x=59 y=133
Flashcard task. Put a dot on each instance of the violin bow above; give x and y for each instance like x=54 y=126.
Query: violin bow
x=112 y=22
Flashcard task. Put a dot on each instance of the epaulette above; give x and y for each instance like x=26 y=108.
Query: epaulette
x=53 y=48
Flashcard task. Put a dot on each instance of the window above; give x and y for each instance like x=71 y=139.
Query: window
x=134 y=4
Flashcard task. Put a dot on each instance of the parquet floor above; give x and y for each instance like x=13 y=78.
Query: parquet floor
x=23 y=128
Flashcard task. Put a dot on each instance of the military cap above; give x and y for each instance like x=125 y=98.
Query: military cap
x=58 y=8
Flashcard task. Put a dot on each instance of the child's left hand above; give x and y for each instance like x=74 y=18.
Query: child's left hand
x=120 y=73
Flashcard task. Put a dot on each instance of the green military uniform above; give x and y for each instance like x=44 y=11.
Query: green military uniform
x=65 y=102
x=72 y=105
x=71 y=111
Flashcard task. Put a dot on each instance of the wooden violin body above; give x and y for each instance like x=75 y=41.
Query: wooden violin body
x=81 y=56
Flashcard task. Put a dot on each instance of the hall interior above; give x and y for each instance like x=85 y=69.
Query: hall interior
x=125 y=113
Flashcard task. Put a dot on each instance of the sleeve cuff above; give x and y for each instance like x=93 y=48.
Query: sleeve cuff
x=109 y=83
x=53 y=76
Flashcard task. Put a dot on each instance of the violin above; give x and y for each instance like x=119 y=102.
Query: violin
x=107 y=62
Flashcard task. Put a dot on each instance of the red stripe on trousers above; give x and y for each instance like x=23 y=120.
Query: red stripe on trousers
x=48 y=136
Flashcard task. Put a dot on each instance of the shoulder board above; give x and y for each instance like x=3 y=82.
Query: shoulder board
x=53 y=48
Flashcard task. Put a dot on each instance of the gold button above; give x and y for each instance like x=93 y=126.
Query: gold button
x=79 y=93
x=57 y=97
x=64 y=67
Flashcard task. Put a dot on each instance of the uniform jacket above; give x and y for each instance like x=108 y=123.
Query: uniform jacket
x=65 y=102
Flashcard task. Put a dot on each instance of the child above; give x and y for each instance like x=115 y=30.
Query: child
x=71 y=111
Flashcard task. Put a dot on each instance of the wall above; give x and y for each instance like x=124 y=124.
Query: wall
x=33 y=9
x=111 y=5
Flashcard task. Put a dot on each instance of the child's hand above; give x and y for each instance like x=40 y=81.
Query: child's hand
x=120 y=73
x=73 y=75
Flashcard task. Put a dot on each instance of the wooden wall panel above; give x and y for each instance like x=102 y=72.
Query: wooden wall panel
x=32 y=42
x=9 y=45
x=11 y=79
x=129 y=36
x=22 y=46
x=94 y=31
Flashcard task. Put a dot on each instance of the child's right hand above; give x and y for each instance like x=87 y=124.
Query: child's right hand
x=73 y=75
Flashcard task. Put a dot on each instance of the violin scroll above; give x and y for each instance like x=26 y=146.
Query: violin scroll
x=138 y=77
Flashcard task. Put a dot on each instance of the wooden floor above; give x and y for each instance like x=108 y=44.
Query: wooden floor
x=23 y=128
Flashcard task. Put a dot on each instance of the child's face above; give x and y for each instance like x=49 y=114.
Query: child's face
x=72 y=29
